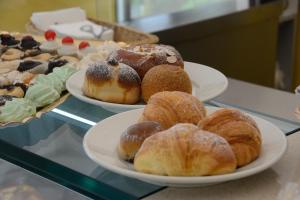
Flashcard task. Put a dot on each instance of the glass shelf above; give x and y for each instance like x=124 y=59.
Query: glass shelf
x=52 y=147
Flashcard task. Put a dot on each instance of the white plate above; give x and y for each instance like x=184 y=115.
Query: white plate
x=207 y=84
x=100 y=144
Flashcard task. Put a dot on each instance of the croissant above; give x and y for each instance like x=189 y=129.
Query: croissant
x=239 y=130
x=169 y=108
x=185 y=150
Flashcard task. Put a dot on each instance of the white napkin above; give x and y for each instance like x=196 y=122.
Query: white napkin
x=83 y=30
x=43 y=20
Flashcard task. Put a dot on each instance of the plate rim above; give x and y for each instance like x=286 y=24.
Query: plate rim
x=188 y=180
x=135 y=106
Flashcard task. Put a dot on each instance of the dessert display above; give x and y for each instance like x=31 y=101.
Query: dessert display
x=20 y=101
x=185 y=150
x=170 y=108
x=143 y=57
x=113 y=82
x=132 y=138
x=165 y=78
x=239 y=130
x=152 y=63
x=183 y=141
x=33 y=73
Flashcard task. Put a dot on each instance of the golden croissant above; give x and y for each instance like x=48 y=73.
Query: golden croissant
x=169 y=108
x=239 y=130
x=185 y=150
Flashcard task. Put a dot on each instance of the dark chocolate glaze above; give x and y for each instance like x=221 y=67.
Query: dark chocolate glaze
x=28 y=42
x=27 y=65
x=8 y=40
x=55 y=63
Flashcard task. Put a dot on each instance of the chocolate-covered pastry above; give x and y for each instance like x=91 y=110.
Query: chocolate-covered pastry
x=8 y=40
x=28 y=42
x=4 y=99
x=56 y=63
x=134 y=136
x=27 y=65
x=17 y=90
x=143 y=57
x=34 y=67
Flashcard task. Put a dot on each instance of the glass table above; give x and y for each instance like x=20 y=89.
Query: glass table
x=52 y=145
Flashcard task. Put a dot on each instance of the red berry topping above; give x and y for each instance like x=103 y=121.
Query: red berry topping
x=50 y=35
x=83 y=45
x=67 y=40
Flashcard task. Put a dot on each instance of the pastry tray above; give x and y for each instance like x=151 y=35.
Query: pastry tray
x=39 y=112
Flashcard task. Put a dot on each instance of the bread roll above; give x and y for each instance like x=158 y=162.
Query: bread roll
x=134 y=136
x=170 y=108
x=185 y=150
x=112 y=82
x=239 y=130
x=143 y=57
x=165 y=78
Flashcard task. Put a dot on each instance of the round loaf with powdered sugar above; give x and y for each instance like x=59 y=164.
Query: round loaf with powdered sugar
x=112 y=82
x=143 y=57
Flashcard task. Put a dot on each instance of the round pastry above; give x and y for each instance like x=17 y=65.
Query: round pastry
x=134 y=136
x=50 y=45
x=16 y=110
x=16 y=90
x=33 y=67
x=165 y=78
x=67 y=48
x=169 y=108
x=85 y=49
x=8 y=40
x=41 y=94
x=12 y=54
x=28 y=42
x=112 y=82
x=4 y=99
x=239 y=130
x=40 y=57
x=185 y=150
x=143 y=57
x=54 y=64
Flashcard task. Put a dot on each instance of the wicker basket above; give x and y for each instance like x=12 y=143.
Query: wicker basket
x=121 y=33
